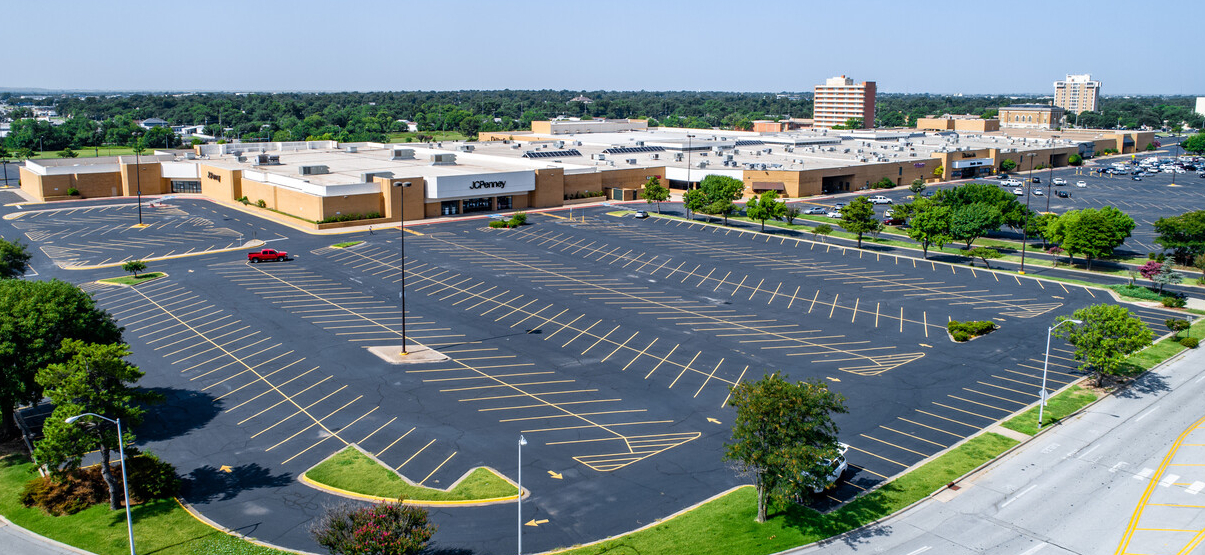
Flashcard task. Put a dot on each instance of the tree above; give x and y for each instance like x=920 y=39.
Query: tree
x=388 y=528
x=984 y=254
x=1177 y=325
x=972 y=221
x=939 y=171
x=928 y=223
x=851 y=123
x=694 y=200
x=783 y=435
x=1166 y=276
x=94 y=378
x=1008 y=164
x=655 y=192
x=858 y=217
x=822 y=230
x=13 y=259
x=1075 y=160
x=1194 y=144
x=1199 y=263
x=765 y=207
x=1184 y=235
x=719 y=192
x=134 y=266
x=722 y=207
x=884 y=183
x=1108 y=334
x=917 y=186
x=791 y=212
x=68 y=153
x=1091 y=233
x=35 y=318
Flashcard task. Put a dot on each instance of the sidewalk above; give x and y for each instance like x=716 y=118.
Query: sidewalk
x=16 y=539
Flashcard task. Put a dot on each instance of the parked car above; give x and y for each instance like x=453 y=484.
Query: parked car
x=1081 y=184
x=1137 y=178
x=1059 y=181
x=880 y=199
x=1037 y=192
x=816 y=210
x=640 y=215
x=267 y=254
x=837 y=467
x=1018 y=191
x=888 y=220
x=833 y=214
x=1062 y=194
x=1037 y=180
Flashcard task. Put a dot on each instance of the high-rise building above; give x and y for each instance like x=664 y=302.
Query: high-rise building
x=1077 y=93
x=839 y=100
x=1201 y=105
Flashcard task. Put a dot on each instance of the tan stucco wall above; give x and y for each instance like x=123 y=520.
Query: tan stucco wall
x=149 y=178
x=550 y=189
x=221 y=184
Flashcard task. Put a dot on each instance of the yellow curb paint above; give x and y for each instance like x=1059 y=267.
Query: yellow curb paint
x=465 y=503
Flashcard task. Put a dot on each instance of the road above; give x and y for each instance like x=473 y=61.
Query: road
x=1124 y=477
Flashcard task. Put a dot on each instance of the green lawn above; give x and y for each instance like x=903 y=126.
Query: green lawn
x=131 y=280
x=438 y=135
x=352 y=471
x=1057 y=408
x=160 y=527
x=93 y=152
x=346 y=244
x=725 y=526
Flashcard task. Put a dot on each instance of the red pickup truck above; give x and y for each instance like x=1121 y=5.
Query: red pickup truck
x=267 y=254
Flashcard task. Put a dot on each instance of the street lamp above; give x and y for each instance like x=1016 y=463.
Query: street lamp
x=1046 y=364
x=1028 y=190
x=124 y=484
x=402 y=226
x=138 y=173
x=519 y=500
x=689 y=139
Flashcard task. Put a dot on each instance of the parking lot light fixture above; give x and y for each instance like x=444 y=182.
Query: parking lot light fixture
x=124 y=483
x=1025 y=224
x=402 y=226
x=1046 y=364
x=519 y=499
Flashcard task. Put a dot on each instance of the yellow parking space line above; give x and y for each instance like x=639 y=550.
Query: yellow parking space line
x=685 y=368
x=600 y=340
x=506 y=385
x=620 y=346
x=870 y=471
x=1006 y=411
x=962 y=411
x=638 y=355
x=394 y=442
x=562 y=428
x=441 y=465
x=574 y=415
x=544 y=404
x=407 y=461
x=894 y=445
x=878 y=456
x=662 y=361
x=936 y=429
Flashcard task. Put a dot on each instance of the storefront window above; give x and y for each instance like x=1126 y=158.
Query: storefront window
x=449 y=207
x=505 y=203
x=179 y=186
x=477 y=205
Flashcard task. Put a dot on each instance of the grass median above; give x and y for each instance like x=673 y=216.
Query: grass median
x=353 y=471
x=162 y=527
x=726 y=525
x=132 y=280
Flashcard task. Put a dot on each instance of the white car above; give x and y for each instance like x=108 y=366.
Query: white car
x=1081 y=184
x=837 y=466
x=1037 y=193
x=1059 y=181
x=833 y=214
x=880 y=199
x=1018 y=191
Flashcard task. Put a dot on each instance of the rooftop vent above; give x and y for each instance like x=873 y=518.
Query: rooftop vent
x=368 y=177
x=313 y=170
x=466 y=148
x=443 y=159
x=266 y=160
x=350 y=150
x=403 y=154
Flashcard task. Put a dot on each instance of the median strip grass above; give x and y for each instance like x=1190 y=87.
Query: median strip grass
x=132 y=280
x=351 y=470
x=162 y=527
x=346 y=244
x=726 y=526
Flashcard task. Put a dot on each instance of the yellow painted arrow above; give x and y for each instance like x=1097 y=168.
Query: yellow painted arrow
x=925 y=345
x=226 y=469
x=534 y=522
x=713 y=421
x=556 y=476
x=831 y=378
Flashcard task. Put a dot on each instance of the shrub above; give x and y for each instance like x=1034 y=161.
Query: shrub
x=1136 y=292
x=499 y=223
x=73 y=191
x=150 y=478
x=1174 y=302
x=1190 y=342
x=243 y=199
x=963 y=331
x=518 y=219
x=962 y=336
x=350 y=217
x=261 y=203
x=393 y=527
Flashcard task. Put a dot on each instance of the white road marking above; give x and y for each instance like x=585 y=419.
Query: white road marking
x=921 y=550
x=1090 y=449
x=1018 y=496
x=1146 y=473
x=1169 y=480
x=1050 y=448
x=1034 y=549
x=1146 y=414
x=1200 y=378
x=1195 y=488
x=1117 y=466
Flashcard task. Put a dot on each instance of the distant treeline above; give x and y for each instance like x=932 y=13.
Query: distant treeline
x=353 y=116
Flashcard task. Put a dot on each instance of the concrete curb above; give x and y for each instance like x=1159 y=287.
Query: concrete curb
x=6 y=523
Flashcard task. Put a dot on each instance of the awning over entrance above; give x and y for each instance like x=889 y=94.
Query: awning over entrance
x=763 y=186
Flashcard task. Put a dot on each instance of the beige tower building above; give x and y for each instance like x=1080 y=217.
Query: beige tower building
x=839 y=99
x=1077 y=93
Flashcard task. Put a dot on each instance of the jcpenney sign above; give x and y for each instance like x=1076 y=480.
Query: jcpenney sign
x=449 y=187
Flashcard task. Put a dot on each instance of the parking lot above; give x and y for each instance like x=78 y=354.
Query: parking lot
x=608 y=343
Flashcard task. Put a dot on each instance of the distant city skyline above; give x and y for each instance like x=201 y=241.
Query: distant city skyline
x=939 y=47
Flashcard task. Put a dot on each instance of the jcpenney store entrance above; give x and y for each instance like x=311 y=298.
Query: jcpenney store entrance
x=450 y=195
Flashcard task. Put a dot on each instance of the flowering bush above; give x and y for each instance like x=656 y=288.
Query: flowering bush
x=391 y=528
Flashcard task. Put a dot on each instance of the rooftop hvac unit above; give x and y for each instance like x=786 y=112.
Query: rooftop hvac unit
x=515 y=145
x=678 y=156
x=190 y=156
x=367 y=177
x=656 y=156
x=350 y=150
x=445 y=159
x=727 y=156
x=313 y=170
x=559 y=144
x=577 y=143
x=241 y=158
x=599 y=156
x=466 y=148
x=639 y=143
x=632 y=161
x=403 y=154
x=702 y=164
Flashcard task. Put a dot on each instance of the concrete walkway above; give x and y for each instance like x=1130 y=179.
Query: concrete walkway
x=16 y=539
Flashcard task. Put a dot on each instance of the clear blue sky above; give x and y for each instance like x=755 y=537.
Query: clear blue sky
x=969 y=46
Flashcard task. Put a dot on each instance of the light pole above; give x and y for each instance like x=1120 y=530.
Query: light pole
x=1025 y=223
x=404 y=185
x=125 y=485
x=519 y=500
x=689 y=139
x=138 y=173
x=1049 y=184
x=1046 y=364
